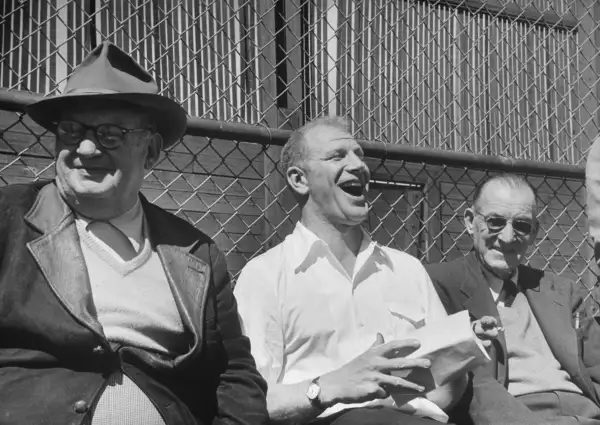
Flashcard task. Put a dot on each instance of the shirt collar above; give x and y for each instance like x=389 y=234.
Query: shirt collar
x=495 y=283
x=306 y=243
x=131 y=222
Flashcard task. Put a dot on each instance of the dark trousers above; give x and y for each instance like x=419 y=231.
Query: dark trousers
x=379 y=415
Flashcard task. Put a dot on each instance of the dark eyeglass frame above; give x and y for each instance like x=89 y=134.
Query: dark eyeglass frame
x=97 y=130
x=517 y=224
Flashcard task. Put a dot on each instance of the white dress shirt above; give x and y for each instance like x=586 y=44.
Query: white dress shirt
x=305 y=316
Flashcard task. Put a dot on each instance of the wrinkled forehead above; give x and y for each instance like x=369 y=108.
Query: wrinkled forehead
x=499 y=198
x=96 y=112
x=325 y=139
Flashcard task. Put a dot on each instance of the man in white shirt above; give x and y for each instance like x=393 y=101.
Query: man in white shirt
x=327 y=311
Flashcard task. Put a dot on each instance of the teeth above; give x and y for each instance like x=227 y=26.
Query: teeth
x=352 y=184
x=354 y=189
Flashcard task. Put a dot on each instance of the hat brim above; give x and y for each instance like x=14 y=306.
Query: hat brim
x=168 y=116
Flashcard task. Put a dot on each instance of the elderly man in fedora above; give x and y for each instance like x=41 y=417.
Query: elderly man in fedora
x=112 y=310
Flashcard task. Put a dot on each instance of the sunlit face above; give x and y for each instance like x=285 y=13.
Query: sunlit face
x=87 y=170
x=501 y=252
x=337 y=177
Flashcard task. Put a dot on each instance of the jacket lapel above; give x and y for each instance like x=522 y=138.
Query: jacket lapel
x=479 y=302
x=553 y=313
x=59 y=257
x=188 y=275
x=58 y=254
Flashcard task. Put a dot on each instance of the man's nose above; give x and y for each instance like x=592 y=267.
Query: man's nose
x=357 y=163
x=88 y=146
x=507 y=234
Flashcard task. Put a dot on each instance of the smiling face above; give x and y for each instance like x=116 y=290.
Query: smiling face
x=88 y=175
x=502 y=252
x=336 y=177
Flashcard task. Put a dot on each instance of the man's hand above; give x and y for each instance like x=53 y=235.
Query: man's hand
x=486 y=329
x=367 y=377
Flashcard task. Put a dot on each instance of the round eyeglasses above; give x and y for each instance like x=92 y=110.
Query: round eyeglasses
x=110 y=136
x=496 y=224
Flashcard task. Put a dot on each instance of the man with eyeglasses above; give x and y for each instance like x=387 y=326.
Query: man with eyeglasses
x=112 y=310
x=536 y=376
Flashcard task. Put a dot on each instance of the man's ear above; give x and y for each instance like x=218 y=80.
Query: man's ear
x=296 y=179
x=469 y=218
x=153 y=152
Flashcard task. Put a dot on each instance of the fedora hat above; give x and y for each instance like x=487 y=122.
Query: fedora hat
x=108 y=73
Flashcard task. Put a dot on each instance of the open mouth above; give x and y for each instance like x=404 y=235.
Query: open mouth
x=353 y=188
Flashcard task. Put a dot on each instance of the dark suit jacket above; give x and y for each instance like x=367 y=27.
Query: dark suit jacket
x=461 y=285
x=54 y=357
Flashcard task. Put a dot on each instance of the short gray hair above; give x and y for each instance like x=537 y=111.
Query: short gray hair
x=294 y=150
x=513 y=181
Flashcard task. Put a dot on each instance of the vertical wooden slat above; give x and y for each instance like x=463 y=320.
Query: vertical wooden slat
x=62 y=34
x=34 y=49
x=344 y=70
x=5 y=43
x=462 y=93
x=23 y=66
x=43 y=52
x=293 y=63
x=273 y=182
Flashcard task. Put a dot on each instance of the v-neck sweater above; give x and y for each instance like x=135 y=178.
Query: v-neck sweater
x=135 y=306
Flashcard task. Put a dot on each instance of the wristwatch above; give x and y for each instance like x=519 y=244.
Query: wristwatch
x=313 y=392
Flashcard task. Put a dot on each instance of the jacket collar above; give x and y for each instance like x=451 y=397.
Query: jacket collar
x=550 y=308
x=188 y=275
x=479 y=300
x=59 y=257
x=58 y=253
x=49 y=210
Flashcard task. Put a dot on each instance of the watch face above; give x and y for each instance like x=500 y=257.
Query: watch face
x=313 y=391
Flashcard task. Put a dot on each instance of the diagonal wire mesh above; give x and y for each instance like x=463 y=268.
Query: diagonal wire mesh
x=489 y=77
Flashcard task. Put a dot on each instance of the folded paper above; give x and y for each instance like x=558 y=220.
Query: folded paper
x=453 y=349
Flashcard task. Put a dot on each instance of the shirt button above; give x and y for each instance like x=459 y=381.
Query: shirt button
x=80 y=406
x=99 y=350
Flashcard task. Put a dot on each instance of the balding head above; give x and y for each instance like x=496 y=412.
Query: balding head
x=511 y=181
x=325 y=169
x=295 y=150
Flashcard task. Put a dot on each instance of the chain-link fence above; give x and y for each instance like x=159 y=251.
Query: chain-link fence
x=224 y=179
x=479 y=79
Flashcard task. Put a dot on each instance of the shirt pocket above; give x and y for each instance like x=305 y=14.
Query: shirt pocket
x=406 y=317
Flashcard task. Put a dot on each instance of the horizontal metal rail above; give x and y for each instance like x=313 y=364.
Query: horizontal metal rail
x=12 y=100
x=515 y=12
